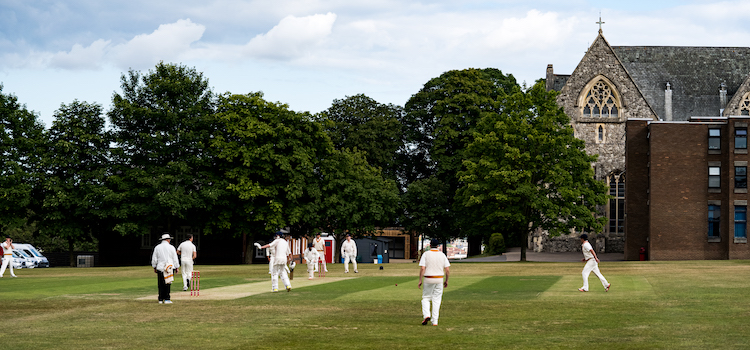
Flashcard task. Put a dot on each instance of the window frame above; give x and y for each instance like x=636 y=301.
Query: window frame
x=714 y=141
x=741 y=138
x=740 y=180
x=740 y=224
x=716 y=183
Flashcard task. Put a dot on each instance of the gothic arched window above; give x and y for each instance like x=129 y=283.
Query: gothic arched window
x=616 y=212
x=745 y=104
x=600 y=100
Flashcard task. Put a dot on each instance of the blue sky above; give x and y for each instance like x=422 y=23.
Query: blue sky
x=308 y=53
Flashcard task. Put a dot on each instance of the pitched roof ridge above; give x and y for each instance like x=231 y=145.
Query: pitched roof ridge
x=630 y=76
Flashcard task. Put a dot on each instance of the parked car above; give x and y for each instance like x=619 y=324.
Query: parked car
x=33 y=253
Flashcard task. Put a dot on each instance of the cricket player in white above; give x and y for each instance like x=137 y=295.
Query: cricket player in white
x=311 y=255
x=349 y=252
x=320 y=246
x=434 y=268
x=592 y=264
x=187 y=253
x=7 y=257
x=282 y=252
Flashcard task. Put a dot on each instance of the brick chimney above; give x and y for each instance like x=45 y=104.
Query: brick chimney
x=550 y=78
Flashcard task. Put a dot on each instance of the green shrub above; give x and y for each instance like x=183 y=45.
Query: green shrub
x=496 y=245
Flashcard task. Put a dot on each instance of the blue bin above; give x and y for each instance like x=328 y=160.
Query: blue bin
x=380 y=259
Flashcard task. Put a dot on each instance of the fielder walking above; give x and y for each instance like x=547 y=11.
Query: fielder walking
x=165 y=264
x=311 y=255
x=281 y=254
x=320 y=246
x=7 y=256
x=349 y=252
x=592 y=264
x=187 y=253
x=435 y=269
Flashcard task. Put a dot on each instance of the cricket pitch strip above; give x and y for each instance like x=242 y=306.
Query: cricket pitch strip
x=242 y=290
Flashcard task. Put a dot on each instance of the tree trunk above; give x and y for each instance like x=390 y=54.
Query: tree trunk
x=524 y=239
x=71 y=254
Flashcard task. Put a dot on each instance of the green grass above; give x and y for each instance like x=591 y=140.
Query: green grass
x=652 y=305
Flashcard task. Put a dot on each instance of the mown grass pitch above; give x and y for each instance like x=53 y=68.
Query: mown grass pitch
x=668 y=305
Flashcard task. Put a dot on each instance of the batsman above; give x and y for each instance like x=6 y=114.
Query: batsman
x=282 y=253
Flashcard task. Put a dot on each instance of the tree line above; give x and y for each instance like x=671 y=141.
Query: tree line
x=470 y=154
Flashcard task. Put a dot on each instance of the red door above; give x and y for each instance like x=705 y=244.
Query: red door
x=329 y=252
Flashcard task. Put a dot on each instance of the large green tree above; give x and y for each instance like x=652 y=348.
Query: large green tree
x=75 y=205
x=524 y=170
x=270 y=157
x=163 y=123
x=285 y=172
x=439 y=120
x=360 y=123
x=22 y=143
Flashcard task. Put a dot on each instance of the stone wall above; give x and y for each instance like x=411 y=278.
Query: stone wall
x=540 y=241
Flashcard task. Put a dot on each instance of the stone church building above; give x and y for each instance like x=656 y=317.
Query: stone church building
x=613 y=84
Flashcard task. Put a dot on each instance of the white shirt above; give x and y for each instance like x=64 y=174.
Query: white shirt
x=586 y=248
x=187 y=249
x=435 y=263
x=320 y=244
x=312 y=256
x=349 y=248
x=7 y=250
x=281 y=250
x=164 y=255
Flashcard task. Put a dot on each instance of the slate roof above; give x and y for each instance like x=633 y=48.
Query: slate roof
x=694 y=74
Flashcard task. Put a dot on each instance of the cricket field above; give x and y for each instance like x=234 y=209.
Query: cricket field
x=507 y=305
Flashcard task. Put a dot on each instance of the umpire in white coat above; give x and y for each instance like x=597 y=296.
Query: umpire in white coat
x=165 y=264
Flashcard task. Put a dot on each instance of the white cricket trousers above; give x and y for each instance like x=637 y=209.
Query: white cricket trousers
x=432 y=292
x=187 y=272
x=7 y=260
x=311 y=269
x=592 y=266
x=353 y=259
x=279 y=269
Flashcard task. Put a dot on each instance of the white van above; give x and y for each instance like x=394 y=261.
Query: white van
x=33 y=253
x=21 y=260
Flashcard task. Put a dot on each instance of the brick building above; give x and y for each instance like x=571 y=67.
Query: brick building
x=649 y=85
x=691 y=197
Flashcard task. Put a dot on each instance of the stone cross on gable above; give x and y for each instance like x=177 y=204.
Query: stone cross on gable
x=600 y=23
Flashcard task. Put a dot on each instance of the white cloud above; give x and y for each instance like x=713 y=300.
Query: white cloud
x=535 y=30
x=292 y=38
x=80 y=57
x=167 y=43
